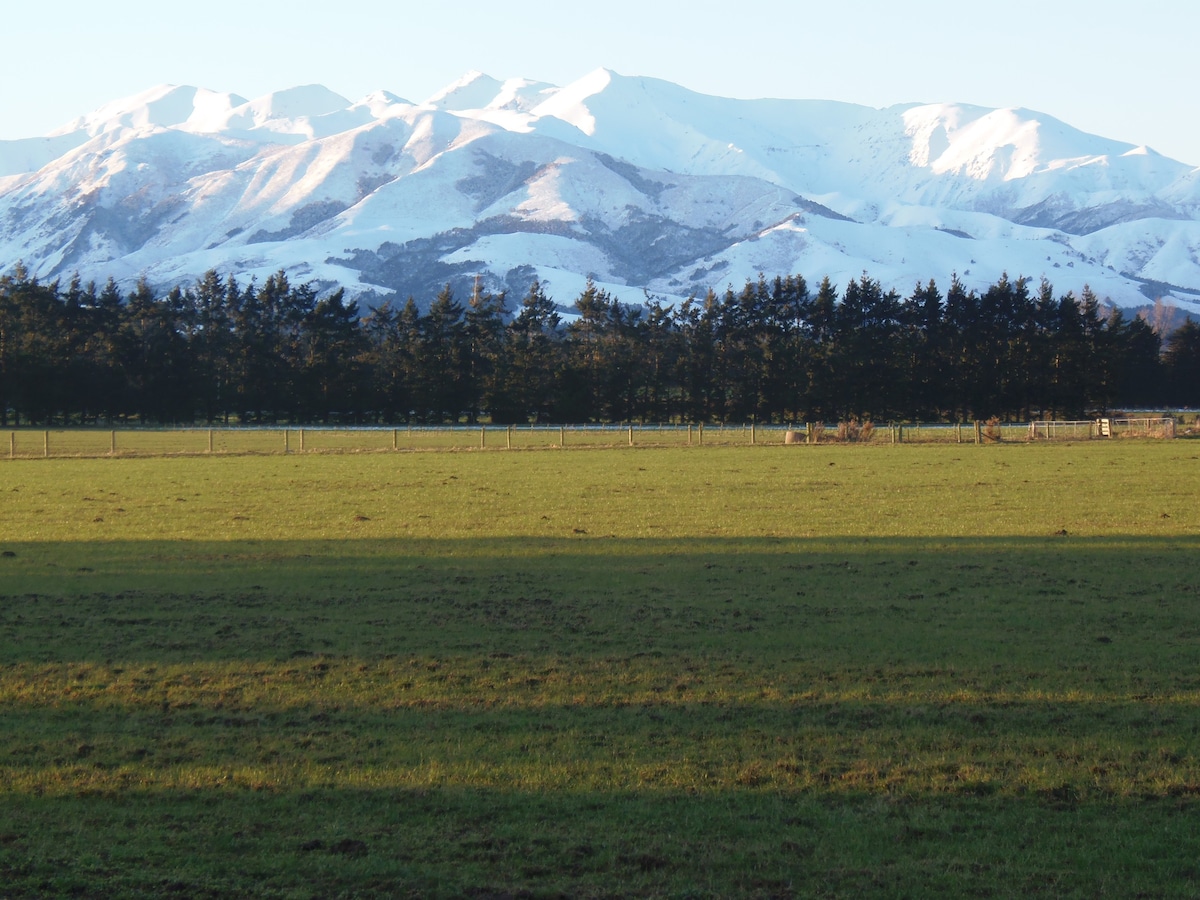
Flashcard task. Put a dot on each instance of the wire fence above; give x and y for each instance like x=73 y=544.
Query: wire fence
x=1142 y=426
x=27 y=443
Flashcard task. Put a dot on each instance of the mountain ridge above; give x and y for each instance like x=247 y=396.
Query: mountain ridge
x=637 y=183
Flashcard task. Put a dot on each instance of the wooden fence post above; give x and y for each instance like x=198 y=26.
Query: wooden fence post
x=753 y=436
x=562 y=436
x=508 y=438
x=112 y=443
x=978 y=432
x=46 y=444
x=394 y=438
x=12 y=445
x=482 y=437
x=301 y=440
x=285 y=441
x=631 y=434
x=210 y=442
x=700 y=438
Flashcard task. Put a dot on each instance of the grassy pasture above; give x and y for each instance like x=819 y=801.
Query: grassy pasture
x=765 y=671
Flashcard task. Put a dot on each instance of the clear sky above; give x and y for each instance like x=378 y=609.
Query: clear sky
x=1125 y=70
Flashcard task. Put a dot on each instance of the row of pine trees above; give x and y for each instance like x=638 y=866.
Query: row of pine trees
x=775 y=351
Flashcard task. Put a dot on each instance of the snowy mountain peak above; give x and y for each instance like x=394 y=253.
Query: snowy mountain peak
x=571 y=103
x=507 y=104
x=382 y=104
x=305 y=102
x=474 y=90
x=165 y=106
x=522 y=94
x=998 y=144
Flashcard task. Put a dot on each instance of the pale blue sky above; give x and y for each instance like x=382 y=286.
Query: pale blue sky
x=1125 y=70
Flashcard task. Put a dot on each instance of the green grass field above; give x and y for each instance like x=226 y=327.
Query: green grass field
x=709 y=671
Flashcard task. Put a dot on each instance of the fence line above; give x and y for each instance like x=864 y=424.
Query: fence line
x=1144 y=426
x=130 y=442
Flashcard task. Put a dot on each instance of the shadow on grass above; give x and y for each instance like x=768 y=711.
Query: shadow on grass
x=498 y=843
x=599 y=717
x=1037 y=602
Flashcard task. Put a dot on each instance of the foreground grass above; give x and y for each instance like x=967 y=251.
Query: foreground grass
x=760 y=671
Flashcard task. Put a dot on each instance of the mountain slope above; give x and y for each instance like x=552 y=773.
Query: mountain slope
x=635 y=182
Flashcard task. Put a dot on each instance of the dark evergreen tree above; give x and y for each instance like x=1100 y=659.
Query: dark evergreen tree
x=30 y=348
x=389 y=356
x=926 y=341
x=331 y=379
x=699 y=395
x=1182 y=366
x=586 y=383
x=868 y=357
x=535 y=358
x=824 y=385
x=444 y=390
x=217 y=307
x=656 y=349
x=1041 y=374
x=156 y=355
x=486 y=357
x=966 y=380
x=788 y=348
x=1134 y=365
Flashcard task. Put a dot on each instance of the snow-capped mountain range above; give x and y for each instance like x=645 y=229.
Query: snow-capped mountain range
x=639 y=183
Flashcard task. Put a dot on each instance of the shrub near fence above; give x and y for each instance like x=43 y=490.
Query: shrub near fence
x=92 y=442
